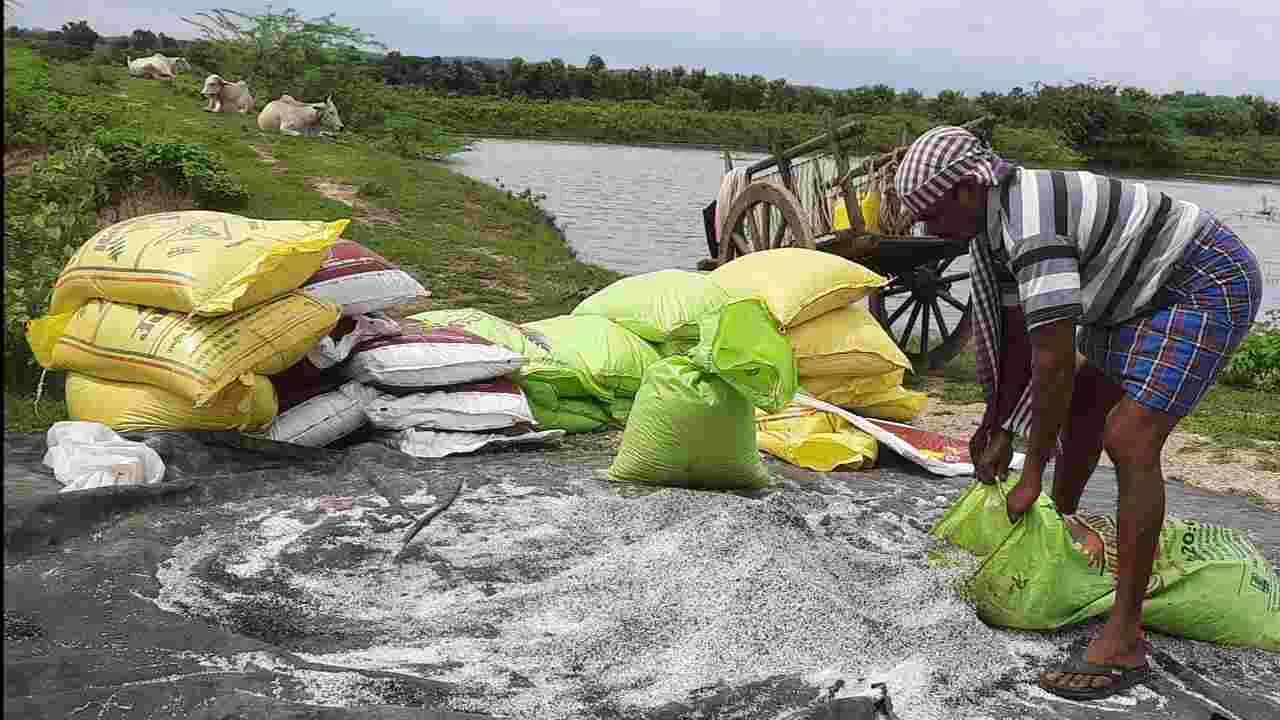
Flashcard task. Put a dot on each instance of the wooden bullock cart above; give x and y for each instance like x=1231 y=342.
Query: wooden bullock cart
x=925 y=306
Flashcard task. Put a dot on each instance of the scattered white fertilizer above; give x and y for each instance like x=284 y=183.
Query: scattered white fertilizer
x=545 y=606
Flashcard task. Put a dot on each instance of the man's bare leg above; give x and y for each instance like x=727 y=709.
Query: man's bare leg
x=1134 y=438
x=1092 y=400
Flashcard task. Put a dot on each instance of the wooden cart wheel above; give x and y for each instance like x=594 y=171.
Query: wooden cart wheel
x=763 y=217
x=914 y=309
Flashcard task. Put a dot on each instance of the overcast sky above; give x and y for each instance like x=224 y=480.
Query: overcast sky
x=1162 y=45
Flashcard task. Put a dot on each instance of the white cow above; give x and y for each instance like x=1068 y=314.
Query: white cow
x=294 y=117
x=158 y=66
x=226 y=96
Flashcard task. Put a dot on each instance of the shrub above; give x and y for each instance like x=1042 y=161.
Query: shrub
x=374 y=189
x=188 y=167
x=1256 y=363
x=47 y=215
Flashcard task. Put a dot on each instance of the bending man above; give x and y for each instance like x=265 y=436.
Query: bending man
x=1161 y=292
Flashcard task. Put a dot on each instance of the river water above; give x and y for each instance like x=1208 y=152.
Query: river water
x=638 y=209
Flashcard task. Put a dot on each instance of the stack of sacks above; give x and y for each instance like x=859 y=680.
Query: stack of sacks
x=172 y=321
x=843 y=355
x=443 y=390
x=580 y=372
x=430 y=391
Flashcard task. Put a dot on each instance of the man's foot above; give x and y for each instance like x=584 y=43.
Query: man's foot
x=1021 y=498
x=1080 y=679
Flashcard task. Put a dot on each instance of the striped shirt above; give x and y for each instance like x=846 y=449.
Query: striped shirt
x=1084 y=247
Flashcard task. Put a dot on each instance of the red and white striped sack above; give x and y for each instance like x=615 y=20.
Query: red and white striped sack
x=361 y=281
x=429 y=357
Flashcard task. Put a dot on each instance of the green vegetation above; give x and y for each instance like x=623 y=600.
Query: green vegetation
x=391 y=95
x=1256 y=363
x=154 y=148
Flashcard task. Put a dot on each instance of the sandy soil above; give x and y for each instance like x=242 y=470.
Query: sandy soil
x=349 y=195
x=1188 y=457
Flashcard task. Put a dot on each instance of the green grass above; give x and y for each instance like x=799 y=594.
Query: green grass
x=472 y=244
x=1231 y=417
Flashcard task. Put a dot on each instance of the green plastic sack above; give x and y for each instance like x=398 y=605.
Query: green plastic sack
x=490 y=327
x=1208 y=583
x=657 y=306
x=620 y=410
x=688 y=428
x=676 y=346
x=741 y=344
x=543 y=372
x=978 y=521
x=613 y=357
x=573 y=415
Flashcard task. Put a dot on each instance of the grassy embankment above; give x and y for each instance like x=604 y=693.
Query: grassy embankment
x=473 y=245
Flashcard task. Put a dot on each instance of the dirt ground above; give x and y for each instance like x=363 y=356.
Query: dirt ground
x=1188 y=457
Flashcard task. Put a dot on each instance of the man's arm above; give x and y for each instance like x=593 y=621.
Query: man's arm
x=992 y=455
x=1053 y=362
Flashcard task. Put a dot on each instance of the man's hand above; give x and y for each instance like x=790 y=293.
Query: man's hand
x=992 y=462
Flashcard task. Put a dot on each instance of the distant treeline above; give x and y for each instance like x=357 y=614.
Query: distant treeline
x=1102 y=122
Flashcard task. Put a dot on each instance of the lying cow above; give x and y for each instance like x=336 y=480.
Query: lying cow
x=294 y=117
x=158 y=67
x=226 y=96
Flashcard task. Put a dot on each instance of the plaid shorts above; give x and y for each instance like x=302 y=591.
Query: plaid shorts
x=1166 y=359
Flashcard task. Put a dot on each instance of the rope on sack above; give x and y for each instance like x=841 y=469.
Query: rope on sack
x=40 y=391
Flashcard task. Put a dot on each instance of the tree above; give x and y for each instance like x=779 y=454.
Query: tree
x=595 y=64
x=79 y=34
x=277 y=48
x=143 y=40
x=167 y=42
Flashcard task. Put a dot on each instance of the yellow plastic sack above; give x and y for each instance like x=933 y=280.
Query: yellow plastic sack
x=870 y=207
x=134 y=407
x=898 y=404
x=815 y=440
x=192 y=357
x=797 y=284
x=847 y=341
x=840 y=216
x=194 y=261
x=840 y=389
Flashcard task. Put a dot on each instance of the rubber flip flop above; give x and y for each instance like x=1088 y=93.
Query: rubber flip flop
x=1121 y=678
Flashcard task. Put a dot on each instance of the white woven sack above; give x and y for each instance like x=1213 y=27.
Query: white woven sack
x=438 y=444
x=408 y=362
x=470 y=408
x=324 y=418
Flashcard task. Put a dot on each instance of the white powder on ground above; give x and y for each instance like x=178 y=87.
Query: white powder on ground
x=547 y=603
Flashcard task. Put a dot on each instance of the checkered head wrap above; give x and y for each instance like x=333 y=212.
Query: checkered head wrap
x=938 y=160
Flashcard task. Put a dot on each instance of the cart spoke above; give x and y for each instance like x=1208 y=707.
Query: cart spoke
x=741 y=243
x=954 y=277
x=780 y=234
x=942 y=323
x=898 y=313
x=924 y=333
x=952 y=301
x=902 y=340
x=766 y=227
x=942 y=265
x=895 y=290
x=754 y=227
